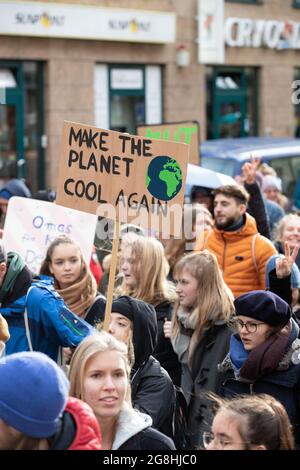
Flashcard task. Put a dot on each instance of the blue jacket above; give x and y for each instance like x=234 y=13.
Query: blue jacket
x=51 y=323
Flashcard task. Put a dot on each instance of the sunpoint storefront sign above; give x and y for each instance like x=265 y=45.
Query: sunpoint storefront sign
x=86 y=22
x=245 y=32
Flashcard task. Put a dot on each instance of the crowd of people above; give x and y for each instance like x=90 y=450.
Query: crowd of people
x=202 y=349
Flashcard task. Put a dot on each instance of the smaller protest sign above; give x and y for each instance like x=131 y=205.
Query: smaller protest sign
x=187 y=132
x=31 y=225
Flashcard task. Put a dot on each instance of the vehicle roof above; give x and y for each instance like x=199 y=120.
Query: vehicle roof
x=242 y=148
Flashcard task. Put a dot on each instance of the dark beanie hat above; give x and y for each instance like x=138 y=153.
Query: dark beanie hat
x=264 y=306
x=123 y=306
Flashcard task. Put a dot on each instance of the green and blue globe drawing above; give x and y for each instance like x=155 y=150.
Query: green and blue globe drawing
x=164 y=178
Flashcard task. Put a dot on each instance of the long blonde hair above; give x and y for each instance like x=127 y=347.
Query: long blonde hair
x=215 y=300
x=150 y=269
x=88 y=348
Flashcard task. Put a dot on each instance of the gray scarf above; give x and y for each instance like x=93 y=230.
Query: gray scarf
x=181 y=343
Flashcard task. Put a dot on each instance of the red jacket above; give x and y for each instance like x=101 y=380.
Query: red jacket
x=88 y=434
x=79 y=428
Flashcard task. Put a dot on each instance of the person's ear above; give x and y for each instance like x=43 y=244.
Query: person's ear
x=243 y=208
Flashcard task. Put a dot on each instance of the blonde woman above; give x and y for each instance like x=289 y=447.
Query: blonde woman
x=199 y=333
x=73 y=279
x=100 y=376
x=288 y=230
x=145 y=269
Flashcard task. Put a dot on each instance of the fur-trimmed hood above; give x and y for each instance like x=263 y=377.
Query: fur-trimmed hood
x=130 y=423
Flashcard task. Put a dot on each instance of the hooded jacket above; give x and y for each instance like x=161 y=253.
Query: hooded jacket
x=242 y=255
x=79 y=429
x=51 y=323
x=134 y=432
x=152 y=390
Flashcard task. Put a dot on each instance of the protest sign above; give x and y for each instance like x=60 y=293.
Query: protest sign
x=31 y=225
x=121 y=176
x=187 y=132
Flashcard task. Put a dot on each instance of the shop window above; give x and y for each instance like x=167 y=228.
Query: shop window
x=127 y=98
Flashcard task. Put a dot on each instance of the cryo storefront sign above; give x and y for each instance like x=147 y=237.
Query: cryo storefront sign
x=245 y=32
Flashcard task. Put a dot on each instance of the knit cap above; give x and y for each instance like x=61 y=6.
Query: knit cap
x=33 y=393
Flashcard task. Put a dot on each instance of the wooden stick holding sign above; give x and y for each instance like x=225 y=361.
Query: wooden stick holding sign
x=112 y=274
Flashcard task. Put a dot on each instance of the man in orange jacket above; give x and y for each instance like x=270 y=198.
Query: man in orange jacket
x=241 y=251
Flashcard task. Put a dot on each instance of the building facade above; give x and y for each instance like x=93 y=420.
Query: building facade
x=119 y=63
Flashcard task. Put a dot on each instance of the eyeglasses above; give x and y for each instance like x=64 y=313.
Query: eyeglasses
x=250 y=326
x=220 y=442
x=208 y=437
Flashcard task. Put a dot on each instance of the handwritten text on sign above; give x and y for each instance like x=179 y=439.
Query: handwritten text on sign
x=31 y=225
x=187 y=132
x=100 y=168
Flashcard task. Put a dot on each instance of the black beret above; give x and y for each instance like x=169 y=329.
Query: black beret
x=264 y=306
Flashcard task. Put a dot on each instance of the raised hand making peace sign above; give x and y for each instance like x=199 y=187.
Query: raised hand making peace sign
x=285 y=263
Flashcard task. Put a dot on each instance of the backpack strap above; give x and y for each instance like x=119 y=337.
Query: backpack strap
x=27 y=329
x=253 y=252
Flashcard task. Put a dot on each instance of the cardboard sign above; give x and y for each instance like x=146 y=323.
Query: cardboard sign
x=187 y=132
x=121 y=176
x=31 y=225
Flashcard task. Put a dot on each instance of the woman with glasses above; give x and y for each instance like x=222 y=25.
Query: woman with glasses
x=264 y=355
x=200 y=334
x=257 y=422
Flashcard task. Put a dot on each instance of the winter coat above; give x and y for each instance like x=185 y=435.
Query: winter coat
x=134 y=432
x=79 y=428
x=257 y=208
x=95 y=313
x=152 y=390
x=51 y=323
x=242 y=256
x=202 y=377
x=283 y=383
x=164 y=351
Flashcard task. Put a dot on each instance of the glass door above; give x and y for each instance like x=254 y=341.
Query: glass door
x=229 y=105
x=230 y=117
x=11 y=123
